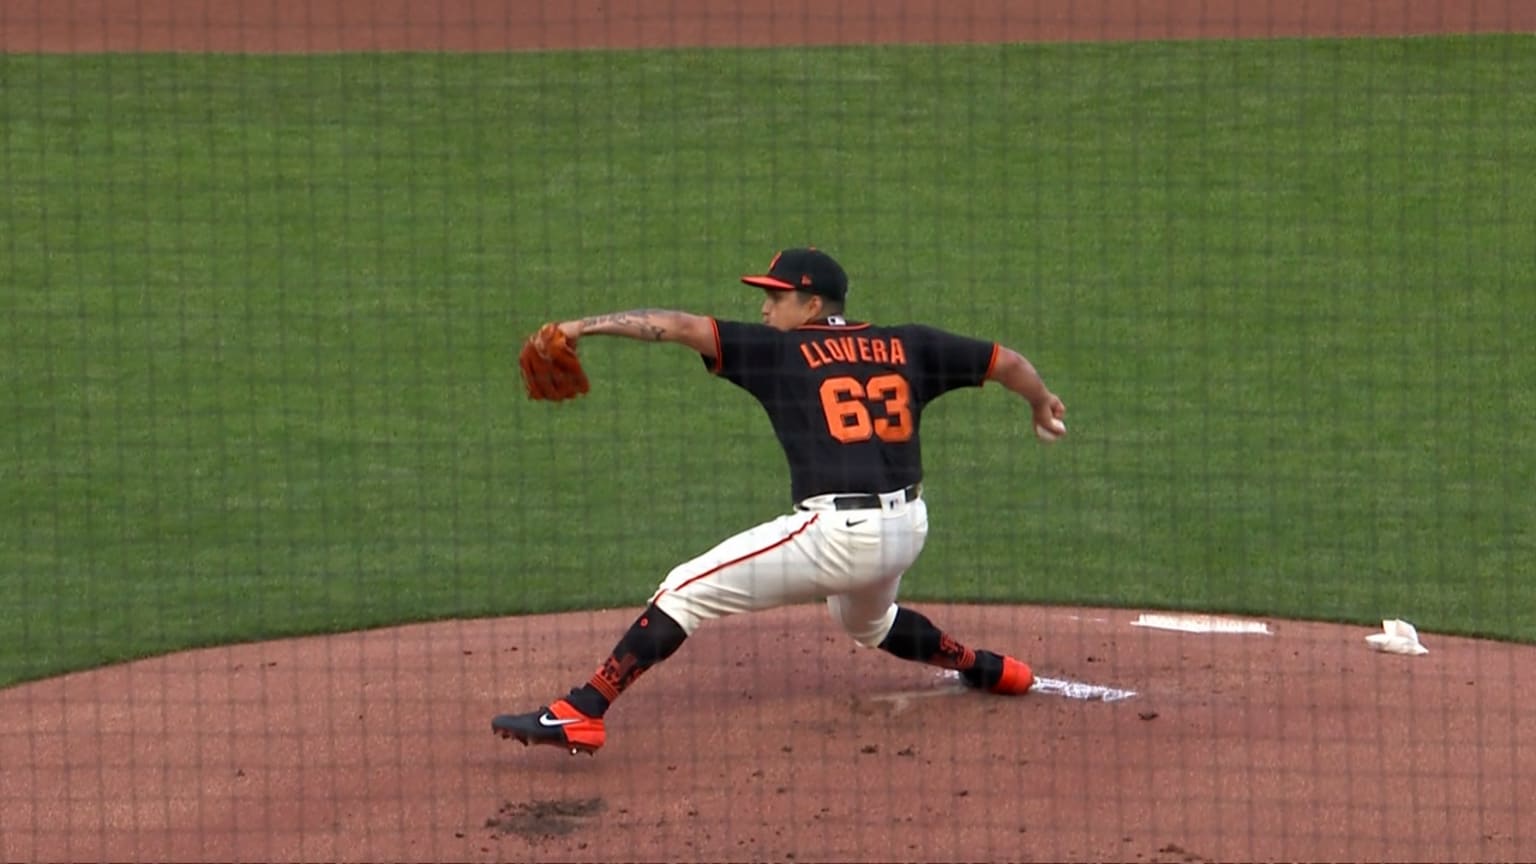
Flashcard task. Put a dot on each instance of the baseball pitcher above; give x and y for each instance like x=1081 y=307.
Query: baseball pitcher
x=845 y=399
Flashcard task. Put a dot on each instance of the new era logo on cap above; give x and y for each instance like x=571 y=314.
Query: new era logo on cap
x=808 y=269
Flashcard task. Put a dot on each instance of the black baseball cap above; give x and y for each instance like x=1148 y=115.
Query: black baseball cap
x=808 y=269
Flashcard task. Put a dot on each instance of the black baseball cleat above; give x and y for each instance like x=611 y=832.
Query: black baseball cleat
x=558 y=725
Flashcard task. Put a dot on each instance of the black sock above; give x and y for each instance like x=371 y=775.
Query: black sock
x=913 y=637
x=653 y=637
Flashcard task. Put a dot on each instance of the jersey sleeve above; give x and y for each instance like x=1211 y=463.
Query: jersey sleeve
x=743 y=351
x=949 y=361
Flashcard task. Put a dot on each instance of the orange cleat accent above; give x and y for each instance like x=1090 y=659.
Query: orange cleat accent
x=1017 y=678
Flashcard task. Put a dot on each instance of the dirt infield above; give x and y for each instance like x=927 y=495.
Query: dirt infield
x=770 y=738
x=498 y=25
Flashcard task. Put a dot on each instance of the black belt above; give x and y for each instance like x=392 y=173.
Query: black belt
x=868 y=502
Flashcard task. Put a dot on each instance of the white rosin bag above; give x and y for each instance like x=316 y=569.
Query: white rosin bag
x=1397 y=637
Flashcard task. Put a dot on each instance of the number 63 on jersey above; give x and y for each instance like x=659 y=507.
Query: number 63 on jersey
x=846 y=403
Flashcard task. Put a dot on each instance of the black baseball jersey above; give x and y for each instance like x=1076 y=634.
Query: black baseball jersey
x=846 y=398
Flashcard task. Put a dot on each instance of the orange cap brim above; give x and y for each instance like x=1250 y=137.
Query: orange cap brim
x=768 y=282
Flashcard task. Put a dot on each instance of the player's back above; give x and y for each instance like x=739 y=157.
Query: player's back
x=846 y=398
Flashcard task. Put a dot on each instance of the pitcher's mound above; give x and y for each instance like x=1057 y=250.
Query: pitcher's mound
x=770 y=737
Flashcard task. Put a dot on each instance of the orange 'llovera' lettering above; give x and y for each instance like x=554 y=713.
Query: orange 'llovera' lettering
x=809 y=360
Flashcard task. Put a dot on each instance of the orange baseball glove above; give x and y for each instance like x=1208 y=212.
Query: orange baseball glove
x=551 y=369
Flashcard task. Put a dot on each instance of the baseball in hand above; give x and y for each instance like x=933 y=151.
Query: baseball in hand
x=1051 y=434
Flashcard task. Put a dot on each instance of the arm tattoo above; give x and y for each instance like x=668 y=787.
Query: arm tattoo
x=647 y=324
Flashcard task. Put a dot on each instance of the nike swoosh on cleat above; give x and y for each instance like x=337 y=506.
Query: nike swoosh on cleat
x=548 y=720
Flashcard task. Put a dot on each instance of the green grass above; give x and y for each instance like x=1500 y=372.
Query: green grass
x=260 y=316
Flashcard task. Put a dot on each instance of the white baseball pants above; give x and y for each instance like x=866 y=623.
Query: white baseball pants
x=853 y=558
